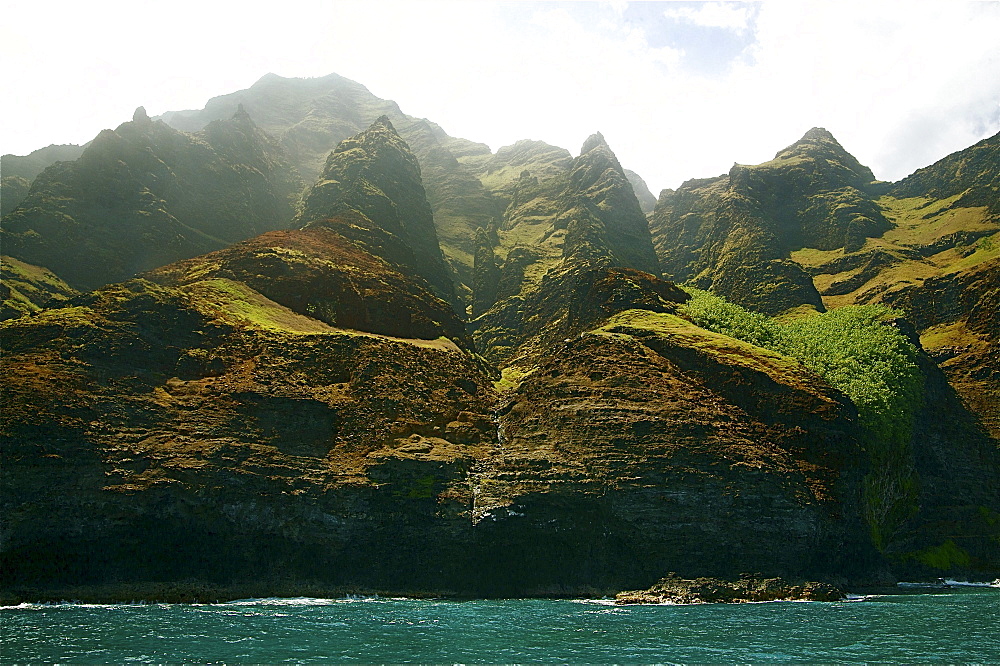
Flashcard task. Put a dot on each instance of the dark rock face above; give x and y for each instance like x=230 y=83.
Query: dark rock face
x=160 y=434
x=636 y=438
x=375 y=177
x=144 y=195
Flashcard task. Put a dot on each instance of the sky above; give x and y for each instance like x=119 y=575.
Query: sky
x=679 y=89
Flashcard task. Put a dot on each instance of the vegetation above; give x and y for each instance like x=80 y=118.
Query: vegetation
x=871 y=362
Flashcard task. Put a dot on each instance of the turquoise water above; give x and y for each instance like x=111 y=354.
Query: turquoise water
x=960 y=626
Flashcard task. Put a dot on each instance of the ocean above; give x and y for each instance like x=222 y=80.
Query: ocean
x=959 y=625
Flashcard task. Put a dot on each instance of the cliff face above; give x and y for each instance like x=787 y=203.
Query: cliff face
x=306 y=410
x=144 y=195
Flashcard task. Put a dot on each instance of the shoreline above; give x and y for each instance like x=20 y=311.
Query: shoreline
x=676 y=592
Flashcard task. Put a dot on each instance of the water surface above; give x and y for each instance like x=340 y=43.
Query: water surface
x=959 y=626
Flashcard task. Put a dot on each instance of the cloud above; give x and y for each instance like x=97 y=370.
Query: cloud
x=899 y=84
x=726 y=15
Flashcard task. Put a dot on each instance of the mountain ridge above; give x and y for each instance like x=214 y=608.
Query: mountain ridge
x=311 y=408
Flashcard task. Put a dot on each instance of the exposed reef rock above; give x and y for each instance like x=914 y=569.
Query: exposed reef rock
x=747 y=589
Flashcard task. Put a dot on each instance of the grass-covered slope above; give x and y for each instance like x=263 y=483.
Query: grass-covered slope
x=940 y=264
x=734 y=234
x=25 y=288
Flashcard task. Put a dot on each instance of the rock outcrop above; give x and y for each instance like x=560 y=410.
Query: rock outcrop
x=747 y=589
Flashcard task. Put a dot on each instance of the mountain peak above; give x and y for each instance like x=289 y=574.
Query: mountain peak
x=593 y=141
x=819 y=143
x=140 y=115
x=818 y=134
x=383 y=122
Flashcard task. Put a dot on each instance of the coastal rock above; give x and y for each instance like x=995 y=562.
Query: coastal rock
x=747 y=589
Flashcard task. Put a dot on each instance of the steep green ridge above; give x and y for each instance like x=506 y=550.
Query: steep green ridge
x=734 y=234
x=558 y=239
x=145 y=194
x=310 y=117
x=375 y=176
x=25 y=288
x=971 y=173
x=465 y=183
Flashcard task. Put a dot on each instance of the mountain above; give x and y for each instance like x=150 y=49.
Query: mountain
x=377 y=177
x=145 y=194
x=310 y=117
x=454 y=372
x=734 y=234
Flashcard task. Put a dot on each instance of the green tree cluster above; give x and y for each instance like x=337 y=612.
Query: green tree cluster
x=855 y=350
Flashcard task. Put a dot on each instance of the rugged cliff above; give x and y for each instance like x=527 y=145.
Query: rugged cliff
x=309 y=409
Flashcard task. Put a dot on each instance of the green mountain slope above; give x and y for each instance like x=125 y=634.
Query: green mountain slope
x=145 y=194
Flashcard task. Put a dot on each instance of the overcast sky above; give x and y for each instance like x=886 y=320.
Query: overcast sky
x=679 y=89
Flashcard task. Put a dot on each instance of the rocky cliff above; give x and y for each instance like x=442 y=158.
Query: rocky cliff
x=306 y=410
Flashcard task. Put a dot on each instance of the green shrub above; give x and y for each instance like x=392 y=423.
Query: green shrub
x=873 y=363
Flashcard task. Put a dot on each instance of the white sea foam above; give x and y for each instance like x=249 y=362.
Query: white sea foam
x=281 y=601
x=966 y=583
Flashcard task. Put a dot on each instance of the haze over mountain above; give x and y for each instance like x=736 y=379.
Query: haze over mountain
x=680 y=90
x=334 y=349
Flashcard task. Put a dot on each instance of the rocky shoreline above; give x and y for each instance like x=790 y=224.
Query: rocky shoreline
x=673 y=589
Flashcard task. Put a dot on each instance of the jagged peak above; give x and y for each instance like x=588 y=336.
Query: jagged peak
x=819 y=143
x=818 y=134
x=593 y=141
x=816 y=139
x=140 y=115
x=383 y=122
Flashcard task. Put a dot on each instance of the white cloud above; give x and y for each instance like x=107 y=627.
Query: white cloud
x=900 y=85
x=728 y=15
